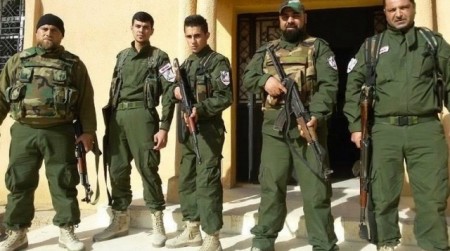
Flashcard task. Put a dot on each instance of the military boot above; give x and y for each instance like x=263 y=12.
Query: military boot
x=159 y=233
x=190 y=237
x=119 y=226
x=16 y=240
x=211 y=243
x=68 y=239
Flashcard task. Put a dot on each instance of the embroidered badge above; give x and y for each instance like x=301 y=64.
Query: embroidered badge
x=384 y=49
x=351 y=64
x=225 y=77
x=167 y=73
x=332 y=62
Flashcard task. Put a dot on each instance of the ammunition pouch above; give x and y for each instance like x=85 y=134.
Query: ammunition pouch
x=151 y=93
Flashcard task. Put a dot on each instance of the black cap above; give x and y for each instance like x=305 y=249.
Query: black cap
x=51 y=19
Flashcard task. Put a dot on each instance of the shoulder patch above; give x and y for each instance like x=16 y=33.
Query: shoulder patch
x=225 y=77
x=167 y=72
x=332 y=62
x=384 y=49
x=351 y=64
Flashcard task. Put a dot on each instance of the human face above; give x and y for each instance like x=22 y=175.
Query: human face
x=400 y=13
x=48 y=37
x=292 y=24
x=141 y=31
x=196 y=38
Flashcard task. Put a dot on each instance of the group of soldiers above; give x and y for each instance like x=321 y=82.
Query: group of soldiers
x=45 y=88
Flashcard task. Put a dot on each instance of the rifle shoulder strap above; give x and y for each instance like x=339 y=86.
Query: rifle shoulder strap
x=372 y=47
x=432 y=46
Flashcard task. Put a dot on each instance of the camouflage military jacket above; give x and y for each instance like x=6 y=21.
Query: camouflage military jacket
x=71 y=87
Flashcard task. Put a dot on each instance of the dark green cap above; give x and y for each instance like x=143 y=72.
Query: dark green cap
x=295 y=5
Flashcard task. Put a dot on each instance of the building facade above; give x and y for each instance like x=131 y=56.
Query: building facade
x=97 y=30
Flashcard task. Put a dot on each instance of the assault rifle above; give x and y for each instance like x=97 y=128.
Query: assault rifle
x=293 y=104
x=187 y=106
x=80 y=154
x=365 y=162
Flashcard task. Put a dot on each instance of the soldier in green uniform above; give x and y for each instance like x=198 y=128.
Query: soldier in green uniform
x=200 y=188
x=310 y=63
x=405 y=127
x=44 y=88
x=142 y=74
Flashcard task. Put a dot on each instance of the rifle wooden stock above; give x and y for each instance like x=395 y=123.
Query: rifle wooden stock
x=186 y=102
x=80 y=154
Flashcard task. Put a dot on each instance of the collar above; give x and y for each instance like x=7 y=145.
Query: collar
x=205 y=51
x=409 y=35
x=41 y=51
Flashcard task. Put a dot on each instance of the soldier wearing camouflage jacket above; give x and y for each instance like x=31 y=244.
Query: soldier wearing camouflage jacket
x=44 y=88
x=310 y=63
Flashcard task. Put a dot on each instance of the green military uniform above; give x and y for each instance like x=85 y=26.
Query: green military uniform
x=200 y=188
x=406 y=128
x=310 y=63
x=145 y=76
x=44 y=92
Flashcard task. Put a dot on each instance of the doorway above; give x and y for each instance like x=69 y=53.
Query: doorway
x=345 y=30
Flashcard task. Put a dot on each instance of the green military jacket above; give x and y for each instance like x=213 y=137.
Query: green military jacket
x=323 y=98
x=404 y=77
x=85 y=108
x=216 y=79
x=139 y=67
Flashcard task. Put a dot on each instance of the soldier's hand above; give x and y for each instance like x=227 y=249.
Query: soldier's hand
x=356 y=138
x=193 y=116
x=274 y=87
x=160 y=139
x=87 y=140
x=177 y=93
x=312 y=125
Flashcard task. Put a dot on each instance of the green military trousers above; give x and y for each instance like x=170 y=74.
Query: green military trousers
x=28 y=149
x=277 y=161
x=423 y=147
x=131 y=137
x=200 y=187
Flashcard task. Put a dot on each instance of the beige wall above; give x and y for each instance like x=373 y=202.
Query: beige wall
x=97 y=30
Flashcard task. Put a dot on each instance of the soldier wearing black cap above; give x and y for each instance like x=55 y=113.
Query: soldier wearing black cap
x=44 y=88
x=310 y=63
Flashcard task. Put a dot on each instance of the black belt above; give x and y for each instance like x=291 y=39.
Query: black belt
x=130 y=105
x=405 y=120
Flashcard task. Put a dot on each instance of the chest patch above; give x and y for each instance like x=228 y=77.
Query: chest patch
x=351 y=64
x=384 y=49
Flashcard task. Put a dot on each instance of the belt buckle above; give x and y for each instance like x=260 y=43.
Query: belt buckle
x=402 y=120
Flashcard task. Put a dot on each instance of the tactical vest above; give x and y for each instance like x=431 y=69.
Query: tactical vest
x=202 y=85
x=299 y=65
x=152 y=89
x=42 y=92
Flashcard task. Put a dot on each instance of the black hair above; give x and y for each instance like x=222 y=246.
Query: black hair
x=196 y=20
x=142 y=16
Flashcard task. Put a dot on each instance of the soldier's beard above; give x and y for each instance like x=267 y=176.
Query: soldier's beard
x=47 y=45
x=293 y=35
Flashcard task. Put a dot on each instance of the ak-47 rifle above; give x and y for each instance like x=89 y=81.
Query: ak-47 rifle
x=187 y=105
x=80 y=154
x=365 y=162
x=293 y=104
